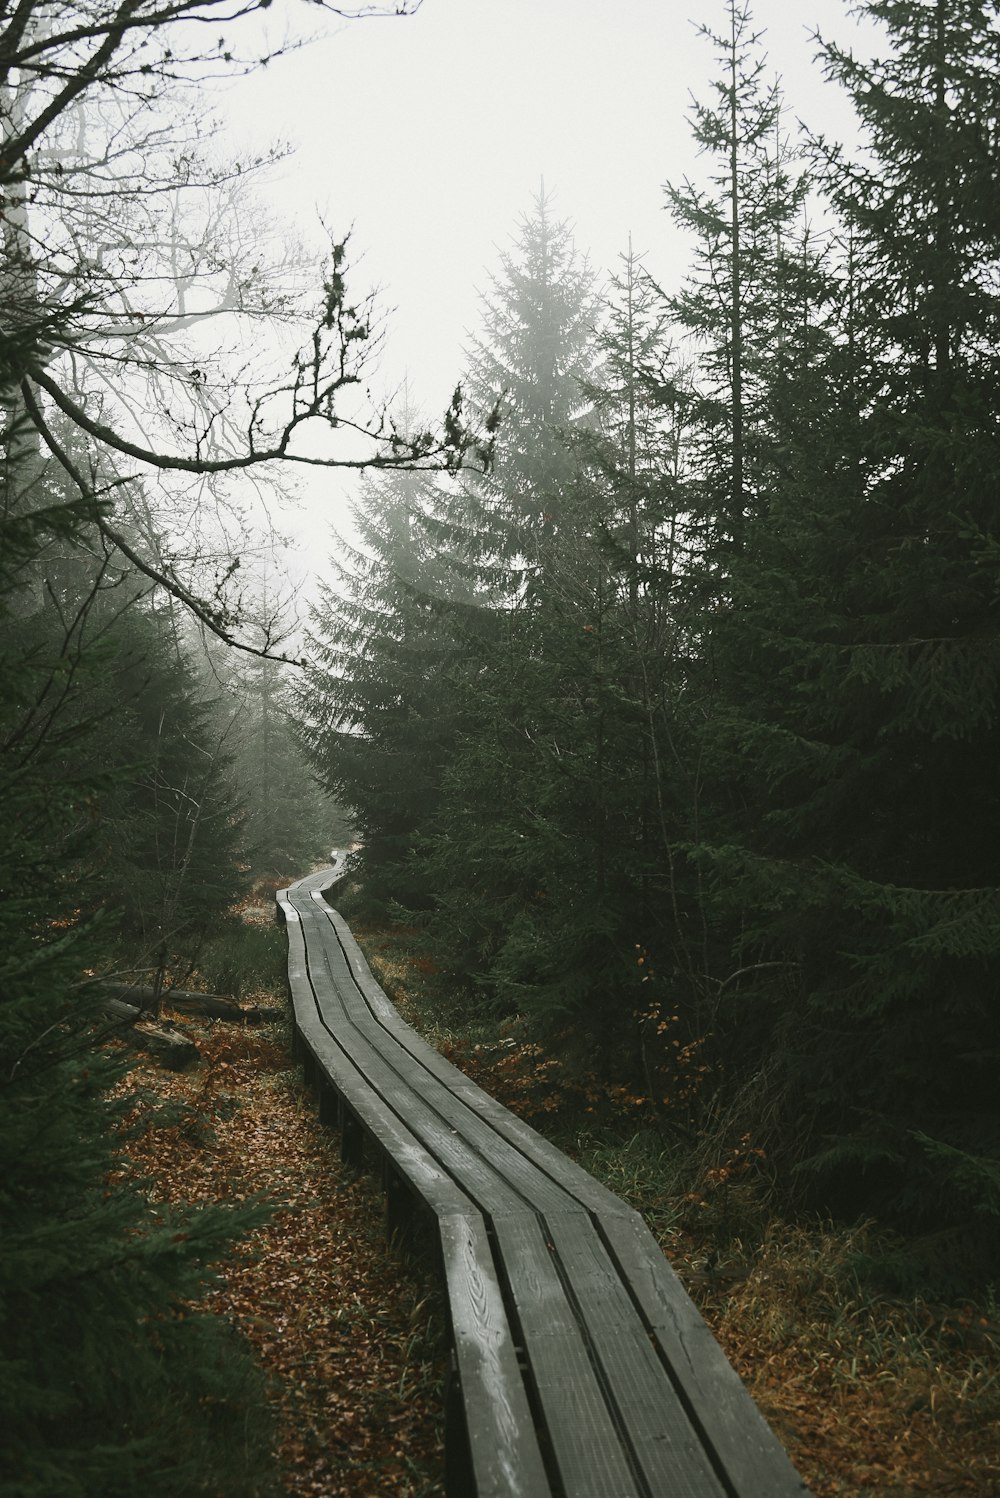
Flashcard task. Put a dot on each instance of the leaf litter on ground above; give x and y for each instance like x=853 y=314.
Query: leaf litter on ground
x=350 y=1335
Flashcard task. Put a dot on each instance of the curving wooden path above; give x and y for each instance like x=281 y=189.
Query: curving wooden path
x=580 y=1367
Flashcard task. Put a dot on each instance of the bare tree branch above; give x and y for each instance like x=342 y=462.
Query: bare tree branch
x=214 y=620
x=108 y=276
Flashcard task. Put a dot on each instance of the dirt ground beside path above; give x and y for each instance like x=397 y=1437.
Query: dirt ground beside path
x=351 y=1338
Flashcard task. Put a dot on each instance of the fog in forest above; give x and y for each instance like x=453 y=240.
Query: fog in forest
x=546 y=452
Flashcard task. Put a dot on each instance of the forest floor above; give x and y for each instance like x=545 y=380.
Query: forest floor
x=350 y=1336
x=874 y=1396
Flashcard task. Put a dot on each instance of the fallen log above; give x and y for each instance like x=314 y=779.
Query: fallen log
x=212 y=1005
x=175 y=1051
x=207 y=1004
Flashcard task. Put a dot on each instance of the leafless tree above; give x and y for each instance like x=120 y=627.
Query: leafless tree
x=134 y=290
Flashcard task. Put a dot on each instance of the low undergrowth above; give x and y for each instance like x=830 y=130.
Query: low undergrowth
x=874 y=1393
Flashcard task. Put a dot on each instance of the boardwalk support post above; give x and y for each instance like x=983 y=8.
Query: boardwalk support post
x=352 y=1140
x=399 y=1207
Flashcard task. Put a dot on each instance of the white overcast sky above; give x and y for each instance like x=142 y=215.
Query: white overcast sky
x=430 y=134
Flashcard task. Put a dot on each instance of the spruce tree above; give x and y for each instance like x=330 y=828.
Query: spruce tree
x=640 y=468
x=528 y=365
x=743 y=318
x=374 y=708
x=731 y=305
x=490 y=853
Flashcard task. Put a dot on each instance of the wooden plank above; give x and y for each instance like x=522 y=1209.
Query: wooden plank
x=503 y=1446
x=377 y=1089
x=504 y=1453
x=557 y=1166
x=667 y=1446
x=591 y=1458
x=730 y=1424
x=490 y=1167
x=434 y=1184
x=512 y=1165
x=427 y=1177
x=383 y=1090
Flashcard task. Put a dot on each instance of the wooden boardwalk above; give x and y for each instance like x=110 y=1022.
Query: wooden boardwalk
x=580 y=1367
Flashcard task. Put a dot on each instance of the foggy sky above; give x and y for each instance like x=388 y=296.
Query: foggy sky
x=430 y=134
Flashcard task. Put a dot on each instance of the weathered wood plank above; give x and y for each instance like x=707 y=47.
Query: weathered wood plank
x=564 y=1172
x=490 y=1166
x=433 y=1184
x=621 y=1391
x=730 y=1424
x=590 y=1455
x=504 y=1453
x=668 y=1448
x=378 y=1087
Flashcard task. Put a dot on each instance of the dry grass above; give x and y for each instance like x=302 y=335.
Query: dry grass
x=872 y=1395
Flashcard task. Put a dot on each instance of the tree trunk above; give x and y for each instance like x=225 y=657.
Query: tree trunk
x=211 y=1005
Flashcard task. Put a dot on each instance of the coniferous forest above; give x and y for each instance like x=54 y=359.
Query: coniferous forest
x=656 y=686
x=677 y=726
